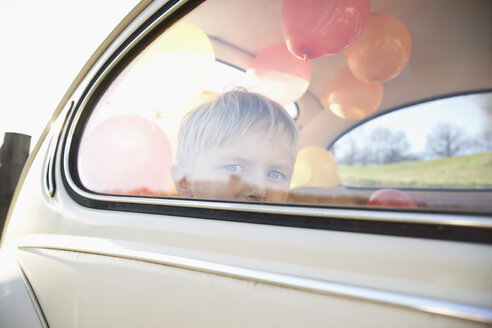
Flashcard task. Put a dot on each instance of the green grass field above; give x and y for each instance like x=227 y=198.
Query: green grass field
x=473 y=171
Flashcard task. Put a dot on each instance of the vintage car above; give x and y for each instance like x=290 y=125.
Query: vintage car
x=375 y=211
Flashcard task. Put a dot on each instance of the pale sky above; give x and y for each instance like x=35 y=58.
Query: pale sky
x=417 y=122
x=44 y=46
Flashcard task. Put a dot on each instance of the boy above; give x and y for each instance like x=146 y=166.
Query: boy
x=241 y=146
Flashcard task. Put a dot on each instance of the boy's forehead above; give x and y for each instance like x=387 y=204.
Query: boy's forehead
x=265 y=134
x=257 y=140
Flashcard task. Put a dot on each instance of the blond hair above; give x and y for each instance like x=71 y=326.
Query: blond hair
x=229 y=117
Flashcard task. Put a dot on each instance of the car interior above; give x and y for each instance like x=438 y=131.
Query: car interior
x=246 y=49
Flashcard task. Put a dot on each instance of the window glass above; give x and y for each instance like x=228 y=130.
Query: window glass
x=263 y=101
x=441 y=144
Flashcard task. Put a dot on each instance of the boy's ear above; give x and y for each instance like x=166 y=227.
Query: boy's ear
x=180 y=181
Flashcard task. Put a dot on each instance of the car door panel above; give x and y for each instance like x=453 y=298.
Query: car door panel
x=134 y=275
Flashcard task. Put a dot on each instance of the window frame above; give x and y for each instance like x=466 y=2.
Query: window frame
x=395 y=222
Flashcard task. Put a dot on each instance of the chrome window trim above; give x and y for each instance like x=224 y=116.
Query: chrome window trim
x=96 y=246
x=353 y=214
x=460 y=220
x=49 y=179
x=53 y=149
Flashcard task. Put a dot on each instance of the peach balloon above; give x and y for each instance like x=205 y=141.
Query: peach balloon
x=302 y=174
x=177 y=67
x=315 y=167
x=279 y=75
x=350 y=98
x=125 y=155
x=382 y=51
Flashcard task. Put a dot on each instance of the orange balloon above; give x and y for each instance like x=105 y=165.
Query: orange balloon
x=350 y=98
x=382 y=51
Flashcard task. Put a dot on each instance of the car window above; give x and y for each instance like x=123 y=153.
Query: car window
x=263 y=106
x=441 y=144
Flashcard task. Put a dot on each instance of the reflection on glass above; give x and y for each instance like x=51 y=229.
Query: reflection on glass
x=142 y=139
x=440 y=144
x=241 y=146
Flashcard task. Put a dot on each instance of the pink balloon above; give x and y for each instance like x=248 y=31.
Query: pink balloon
x=391 y=198
x=279 y=75
x=125 y=155
x=315 y=28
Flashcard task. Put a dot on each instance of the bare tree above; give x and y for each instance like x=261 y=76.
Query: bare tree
x=389 y=146
x=484 y=101
x=447 y=140
x=346 y=153
x=382 y=146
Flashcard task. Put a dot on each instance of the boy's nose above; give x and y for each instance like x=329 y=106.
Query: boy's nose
x=256 y=190
x=257 y=195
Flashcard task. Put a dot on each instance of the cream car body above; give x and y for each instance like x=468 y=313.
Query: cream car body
x=171 y=262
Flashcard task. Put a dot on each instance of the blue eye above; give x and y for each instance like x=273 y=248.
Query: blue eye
x=233 y=168
x=275 y=175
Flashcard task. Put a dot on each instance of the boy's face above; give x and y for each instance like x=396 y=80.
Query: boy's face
x=250 y=168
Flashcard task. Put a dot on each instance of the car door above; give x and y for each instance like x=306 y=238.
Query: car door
x=100 y=245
